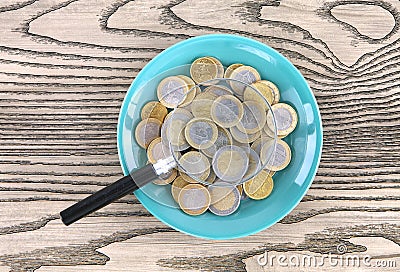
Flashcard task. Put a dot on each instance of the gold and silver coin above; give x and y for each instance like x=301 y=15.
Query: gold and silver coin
x=273 y=88
x=275 y=159
x=243 y=74
x=189 y=179
x=256 y=146
x=225 y=198
x=147 y=130
x=173 y=129
x=268 y=131
x=195 y=165
x=236 y=143
x=227 y=111
x=201 y=133
x=242 y=137
x=192 y=90
x=171 y=91
x=157 y=150
x=217 y=90
x=154 y=109
x=202 y=103
x=260 y=186
x=285 y=119
x=254 y=117
x=223 y=138
x=230 y=163
x=259 y=142
x=220 y=67
x=177 y=186
x=167 y=178
x=194 y=199
x=203 y=69
x=265 y=93
x=230 y=69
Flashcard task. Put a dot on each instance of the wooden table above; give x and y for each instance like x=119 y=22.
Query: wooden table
x=64 y=69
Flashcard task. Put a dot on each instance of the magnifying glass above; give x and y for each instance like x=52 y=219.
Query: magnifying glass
x=222 y=136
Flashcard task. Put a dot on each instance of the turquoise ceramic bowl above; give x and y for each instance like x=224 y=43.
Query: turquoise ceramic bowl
x=291 y=184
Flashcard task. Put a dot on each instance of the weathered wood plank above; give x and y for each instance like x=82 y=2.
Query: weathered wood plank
x=64 y=68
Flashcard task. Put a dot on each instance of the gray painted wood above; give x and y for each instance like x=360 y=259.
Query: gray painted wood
x=65 y=67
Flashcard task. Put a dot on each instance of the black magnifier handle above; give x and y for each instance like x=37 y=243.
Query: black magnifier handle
x=114 y=191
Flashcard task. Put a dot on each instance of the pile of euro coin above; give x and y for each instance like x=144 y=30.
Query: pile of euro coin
x=220 y=132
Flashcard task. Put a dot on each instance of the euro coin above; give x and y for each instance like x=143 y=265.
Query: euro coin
x=230 y=69
x=230 y=163
x=211 y=177
x=220 y=67
x=147 y=130
x=166 y=178
x=203 y=69
x=223 y=138
x=171 y=91
x=217 y=90
x=239 y=144
x=268 y=131
x=254 y=163
x=243 y=74
x=244 y=137
x=225 y=199
x=227 y=111
x=278 y=158
x=189 y=179
x=195 y=165
x=274 y=89
x=154 y=109
x=192 y=90
x=173 y=129
x=260 y=186
x=194 y=199
x=264 y=149
x=177 y=186
x=254 y=117
x=265 y=93
x=285 y=118
x=188 y=106
x=201 y=133
x=257 y=144
x=201 y=105
x=157 y=151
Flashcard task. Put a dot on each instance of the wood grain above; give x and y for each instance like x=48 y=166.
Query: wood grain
x=65 y=67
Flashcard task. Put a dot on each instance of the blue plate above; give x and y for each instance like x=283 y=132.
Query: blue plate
x=291 y=184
